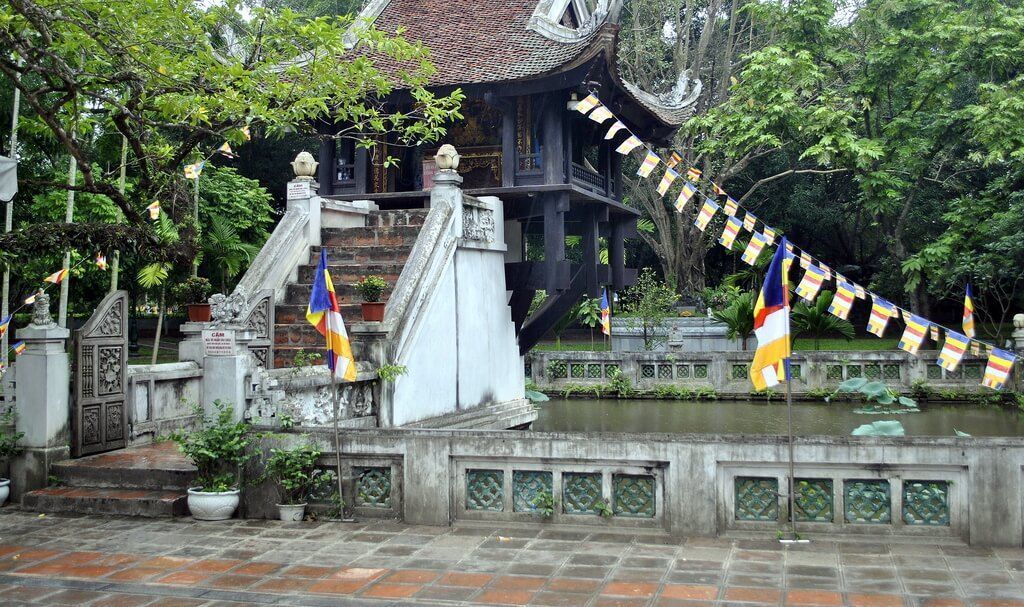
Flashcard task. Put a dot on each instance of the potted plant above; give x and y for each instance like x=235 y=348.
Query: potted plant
x=371 y=288
x=297 y=477
x=193 y=294
x=218 y=448
x=8 y=448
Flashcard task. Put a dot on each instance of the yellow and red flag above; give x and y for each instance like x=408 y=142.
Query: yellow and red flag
x=615 y=128
x=666 y=181
x=1000 y=363
x=154 y=209
x=969 y=313
x=811 y=283
x=606 y=314
x=101 y=261
x=881 y=312
x=324 y=313
x=673 y=159
x=18 y=348
x=771 y=327
x=651 y=160
x=631 y=143
x=914 y=334
x=56 y=277
x=953 y=350
x=843 y=300
x=693 y=174
x=601 y=114
x=684 y=196
x=731 y=206
x=769 y=235
x=589 y=102
x=732 y=228
x=754 y=248
x=706 y=213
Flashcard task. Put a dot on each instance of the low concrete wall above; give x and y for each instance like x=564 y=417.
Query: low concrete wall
x=728 y=372
x=160 y=399
x=682 y=334
x=968 y=488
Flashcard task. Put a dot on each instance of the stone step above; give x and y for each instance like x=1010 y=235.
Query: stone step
x=291 y=314
x=352 y=273
x=301 y=334
x=107 y=500
x=297 y=294
x=157 y=467
x=396 y=236
x=410 y=217
x=361 y=254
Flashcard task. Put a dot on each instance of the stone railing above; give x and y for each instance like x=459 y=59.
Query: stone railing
x=304 y=396
x=160 y=398
x=728 y=372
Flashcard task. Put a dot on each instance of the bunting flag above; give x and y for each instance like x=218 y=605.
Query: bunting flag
x=31 y=299
x=827 y=271
x=606 y=313
x=666 y=181
x=693 y=174
x=805 y=260
x=4 y=324
x=56 y=277
x=601 y=114
x=225 y=150
x=842 y=301
x=18 y=348
x=684 y=196
x=651 y=160
x=771 y=327
x=975 y=348
x=193 y=171
x=754 y=248
x=861 y=293
x=706 y=213
x=811 y=283
x=154 y=209
x=840 y=278
x=589 y=102
x=732 y=228
x=1000 y=363
x=101 y=261
x=881 y=312
x=969 y=313
x=731 y=206
x=615 y=128
x=769 y=235
x=787 y=262
x=673 y=160
x=631 y=143
x=913 y=335
x=717 y=190
x=246 y=133
x=933 y=332
x=953 y=351
x=749 y=221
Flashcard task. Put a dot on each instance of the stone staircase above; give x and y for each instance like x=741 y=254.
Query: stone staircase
x=381 y=248
x=140 y=481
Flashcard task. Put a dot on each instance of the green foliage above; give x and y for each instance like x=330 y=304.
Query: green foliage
x=620 y=385
x=647 y=304
x=882 y=398
x=306 y=359
x=588 y=312
x=604 y=508
x=543 y=503
x=814 y=319
x=535 y=396
x=295 y=473
x=557 y=369
x=880 y=428
x=224 y=249
x=719 y=298
x=217 y=448
x=738 y=317
x=371 y=287
x=193 y=290
x=391 y=372
x=675 y=392
x=8 y=436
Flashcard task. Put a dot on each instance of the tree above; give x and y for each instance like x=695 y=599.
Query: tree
x=738 y=318
x=648 y=303
x=815 y=319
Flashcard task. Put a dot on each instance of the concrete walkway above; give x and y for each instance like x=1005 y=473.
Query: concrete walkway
x=110 y=561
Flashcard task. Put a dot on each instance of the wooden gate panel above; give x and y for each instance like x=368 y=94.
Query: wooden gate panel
x=99 y=412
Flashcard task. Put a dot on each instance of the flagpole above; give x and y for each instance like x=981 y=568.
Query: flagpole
x=9 y=217
x=792 y=465
x=337 y=439
x=69 y=214
x=115 y=263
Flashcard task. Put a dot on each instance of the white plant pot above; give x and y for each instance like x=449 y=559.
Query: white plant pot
x=212 y=506
x=5 y=490
x=291 y=513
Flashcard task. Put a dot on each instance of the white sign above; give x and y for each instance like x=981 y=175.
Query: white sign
x=217 y=342
x=297 y=190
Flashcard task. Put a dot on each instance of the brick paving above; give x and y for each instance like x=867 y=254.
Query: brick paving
x=118 y=561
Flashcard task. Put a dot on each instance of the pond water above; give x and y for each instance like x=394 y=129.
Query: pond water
x=744 y=417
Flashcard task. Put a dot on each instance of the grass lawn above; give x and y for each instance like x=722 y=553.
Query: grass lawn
x=575 y=346
x=859 y=343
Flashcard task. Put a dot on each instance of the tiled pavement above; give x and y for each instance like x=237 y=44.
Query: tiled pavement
x=108 y=561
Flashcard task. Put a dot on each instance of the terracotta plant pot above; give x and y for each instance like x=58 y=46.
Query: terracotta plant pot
x=373 y=311
x=199 y=312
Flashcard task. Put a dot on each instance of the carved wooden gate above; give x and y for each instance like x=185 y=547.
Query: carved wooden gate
x=99 y=413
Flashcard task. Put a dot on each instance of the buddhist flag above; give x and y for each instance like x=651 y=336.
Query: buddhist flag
x=881 y=312
x=717 y=190
x=731 y=206
x=5 y=324
x=933 y=332
x=969 y=313
x=754 y=248
x=914 y=334
x=732 y=228
x=692 y=174
x=666 y=181
x=324 y=313
x=805 y=260
x=101 y=261
x=246 y=133
x=749 y=221
x=615 y=128
x=975 y=348
x=18 y=348
x=601 y=114
x=1000 y=363
x=154 y=209
x=606 y=314
x=787 y=262
x=225 y=150
x=193 y=171
x=631 y=143
x=861 y=293
x=651 y=160
x=589 y=102
x=842 y=301
x=684 y=196
x=706 y=213
x=769 y=235
x=953 y=351
x=811 y=283
x=56 y=277
x=31 y=299
x=673 y=160
x=771 y=327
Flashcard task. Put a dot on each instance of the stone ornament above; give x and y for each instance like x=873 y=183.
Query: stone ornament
x=41 y=311
x=447 y=158
x=227 y=309
x=304 y=166
x=1018 y=321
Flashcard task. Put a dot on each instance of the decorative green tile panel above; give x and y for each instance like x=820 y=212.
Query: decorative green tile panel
x=485 y=490
x=581 y=491
x=757 y=498
x=664 y=371
x=526 y=485
x=576 y=370
x=813 y=500
x=593 y=371
x=647 y=371
x=528 y=370
x=796 y=371
x=611 y=370
x=926 y=503
x=558 y=369
x=867 y=501
x=972 y=371
x=700 y=371
x=957 y=373
x=634 y=495
x=891 y=371
x=853 y=371
x=324 y=493
x=740 y=372
x=834 y=372
x=873 y=371
x=683 y=371
x=373 y=487
x=934 y=371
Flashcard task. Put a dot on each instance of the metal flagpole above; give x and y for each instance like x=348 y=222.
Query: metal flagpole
x=337 y=438
x=195 y=216
x=115 y=263
x=62 y=311
x=9 y=217
x=792 y=465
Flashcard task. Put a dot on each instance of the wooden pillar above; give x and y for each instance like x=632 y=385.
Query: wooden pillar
x=553 y=140
x=508 y=146
x=617 y=255
x=362 y=171
x=616 y=174
x=591 y=255
x=325 y=172
x=556 y=268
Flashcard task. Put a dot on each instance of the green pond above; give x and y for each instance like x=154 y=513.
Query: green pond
x=744 y=417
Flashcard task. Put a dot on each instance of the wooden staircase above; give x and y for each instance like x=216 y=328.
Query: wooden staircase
x=381 y=247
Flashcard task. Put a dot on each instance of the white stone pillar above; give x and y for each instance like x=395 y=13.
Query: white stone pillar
x=302 y=195
x=225 y=373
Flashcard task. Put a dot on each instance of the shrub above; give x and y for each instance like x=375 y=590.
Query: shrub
x=371 y=288
x=195 y=290
x=295 y=473
x=217 y=448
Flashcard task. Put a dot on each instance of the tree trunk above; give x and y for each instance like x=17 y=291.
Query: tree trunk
x=159 y=326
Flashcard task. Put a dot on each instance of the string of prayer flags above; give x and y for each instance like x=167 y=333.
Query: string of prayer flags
x=673 y=160
x=4 y=324
x=589 y=102
x=933 y=332
x=805 y=260
x=731 y=206
x=732 y=228
x=154 y=209
x=811 y=283
x=615 y=128
x=717 y=190
x=769 y=235
x=754 y=248
x=953 y=351
x=861 y=293
x=975 y=348
x=666 y=180
x=881 y=312
x=749 y=221
x=842 y=301
x=101 y=261
x=651 y=160
x=631 y=143
x=706 y=213
x=225 y=150
x=601 y=114
x=827 y=271
x=693 y=174
x=913 y=335
x=18 y=348
x=1000 y=363
x=684 y=196
x=56 y=277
